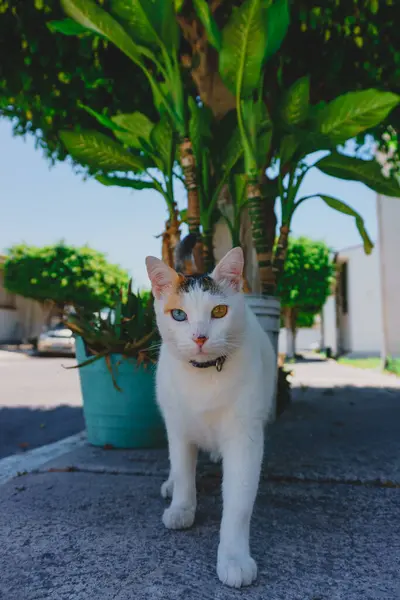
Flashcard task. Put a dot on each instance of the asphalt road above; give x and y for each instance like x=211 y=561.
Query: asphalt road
x=40 y=401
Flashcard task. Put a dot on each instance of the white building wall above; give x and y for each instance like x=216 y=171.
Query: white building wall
x=389 y=217
x=9 y=330
x=329 y=324
x=362 y=327
x=307 y=338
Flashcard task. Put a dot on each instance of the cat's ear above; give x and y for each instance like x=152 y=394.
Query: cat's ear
x=162 y=277
x=230 y=269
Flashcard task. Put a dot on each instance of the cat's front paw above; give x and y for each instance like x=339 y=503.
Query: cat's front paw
x=179 y=517
x=167 y=488
x=236 y=570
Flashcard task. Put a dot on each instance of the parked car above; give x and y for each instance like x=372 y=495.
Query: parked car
x=56 y=340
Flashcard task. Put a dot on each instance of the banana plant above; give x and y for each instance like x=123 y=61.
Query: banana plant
x=253 y=33
x=217 y=151
x=233 y=216
x=305 y=129
x=147 y=32
x=141 y=148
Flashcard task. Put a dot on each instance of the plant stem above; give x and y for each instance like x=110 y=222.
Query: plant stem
x=171 y=237
x=263 y=249
x=270 y=222
x=281 y=251
x=188 y=162
x=208 y=250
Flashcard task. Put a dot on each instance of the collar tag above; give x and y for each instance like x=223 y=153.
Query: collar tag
x=219 y=363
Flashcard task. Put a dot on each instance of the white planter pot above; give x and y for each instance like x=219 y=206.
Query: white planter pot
x=268 y=311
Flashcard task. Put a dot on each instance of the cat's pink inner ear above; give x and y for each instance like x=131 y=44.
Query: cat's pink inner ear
x=162 y=277
x=230 y=268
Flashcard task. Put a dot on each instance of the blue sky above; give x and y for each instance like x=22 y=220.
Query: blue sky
x=42 y=205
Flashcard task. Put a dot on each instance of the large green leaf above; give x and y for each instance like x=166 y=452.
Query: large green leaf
x=205 y=15
x=102 y=119
x=67 y=27
x=295 y=106
x=232 y=152
x=162 y=140
x=150 y=22
x=199 y=127
x=178 y=5
x=134 y=21
x=227 y=159
x=136 y=126
x=244 y=40
x=98 y=151
x=91 y=15
x=355 y=169
x=168 y=104
x=350 y=114
x=347 y=210
x=278 y=19
x=258 y=132
x=313 y=141
x=288 y=147
x=135 y=184
x=239 y=187
x=263 y=145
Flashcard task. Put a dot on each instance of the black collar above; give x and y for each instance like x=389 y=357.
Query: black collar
x=218 y=363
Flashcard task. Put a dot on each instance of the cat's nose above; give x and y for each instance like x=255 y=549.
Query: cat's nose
x=200 y=340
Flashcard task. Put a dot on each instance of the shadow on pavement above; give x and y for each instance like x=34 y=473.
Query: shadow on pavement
x=24 y=428
x=345 y=432
x=326 y=525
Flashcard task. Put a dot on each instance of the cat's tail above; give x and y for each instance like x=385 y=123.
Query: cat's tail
x=184 y=261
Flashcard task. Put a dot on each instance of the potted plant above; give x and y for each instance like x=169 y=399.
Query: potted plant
x=116 y=352
x=218 y=79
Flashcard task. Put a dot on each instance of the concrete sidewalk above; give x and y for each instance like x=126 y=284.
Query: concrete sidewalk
x=87 y=525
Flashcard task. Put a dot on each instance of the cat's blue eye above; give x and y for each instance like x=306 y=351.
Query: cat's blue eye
x=178 y=315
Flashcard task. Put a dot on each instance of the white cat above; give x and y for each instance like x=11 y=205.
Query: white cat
x=215 y=384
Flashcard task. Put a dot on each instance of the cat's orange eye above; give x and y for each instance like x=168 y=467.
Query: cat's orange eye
x=219 y=311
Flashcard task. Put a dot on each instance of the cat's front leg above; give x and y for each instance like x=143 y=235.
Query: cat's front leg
x=242 y=458
x=181 y=483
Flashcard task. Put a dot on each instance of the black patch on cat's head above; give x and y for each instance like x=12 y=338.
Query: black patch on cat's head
x=202 y=282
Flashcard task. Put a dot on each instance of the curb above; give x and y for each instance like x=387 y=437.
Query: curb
x=11 y=466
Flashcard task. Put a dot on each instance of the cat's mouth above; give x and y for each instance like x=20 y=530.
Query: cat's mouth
x=201 y=352
x=205 y=354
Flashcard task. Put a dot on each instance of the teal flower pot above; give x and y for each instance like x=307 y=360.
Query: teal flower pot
x=126 y=419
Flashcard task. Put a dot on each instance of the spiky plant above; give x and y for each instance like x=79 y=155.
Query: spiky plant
x=128 y=330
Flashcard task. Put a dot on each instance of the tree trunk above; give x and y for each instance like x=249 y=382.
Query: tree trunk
x=203 y=65
x=289 y=341
x=170 y=238
x=174 y=231
x=290 y=315
x=257 y=214
x=281 y=251
x=293 y=319
x=166 y=254
x=269 y=223
x=208 y=249
x=246 y=287
x=188 y=163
